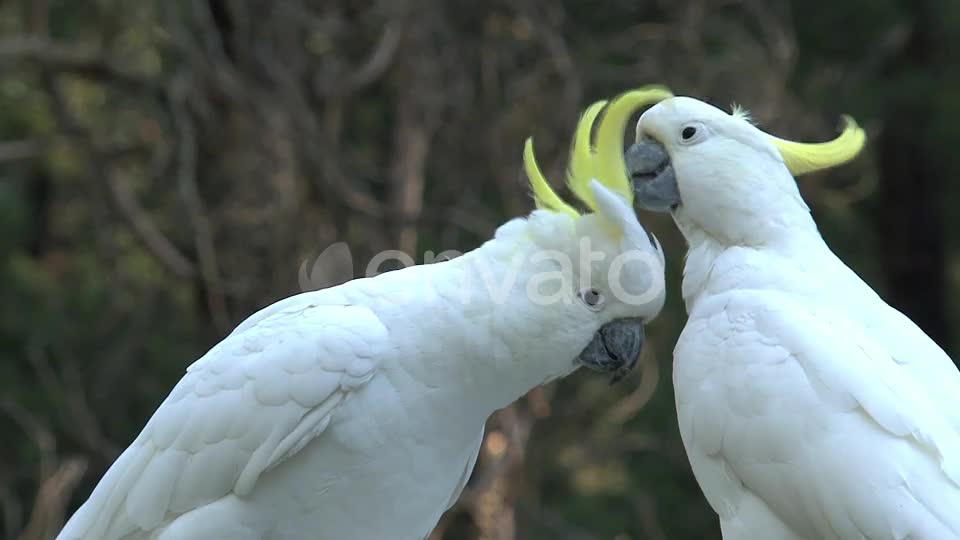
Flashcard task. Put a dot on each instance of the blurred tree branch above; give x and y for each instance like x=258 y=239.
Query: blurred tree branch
x=123 y=198
x=76 y=59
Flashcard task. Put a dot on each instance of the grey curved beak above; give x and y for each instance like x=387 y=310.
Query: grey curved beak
x=654 y=181
x=615 y=348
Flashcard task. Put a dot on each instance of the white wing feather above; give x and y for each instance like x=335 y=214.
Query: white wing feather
x=796 y=411
x=467 y=473
x=255 y=399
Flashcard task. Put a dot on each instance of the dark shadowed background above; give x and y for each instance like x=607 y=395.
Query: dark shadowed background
x=167 y=167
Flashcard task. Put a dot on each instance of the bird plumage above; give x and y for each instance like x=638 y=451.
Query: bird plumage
x=358 y=411
x=809 y=408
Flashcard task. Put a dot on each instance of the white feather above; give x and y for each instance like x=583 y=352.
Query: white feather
x=351 y=412
x=809 y=408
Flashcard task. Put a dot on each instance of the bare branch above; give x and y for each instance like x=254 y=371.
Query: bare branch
x=80 y=418
x=371 y=69
x=355 y=199
x=50 y=504
x=203 y=232
x=81 y=60
x=413 y=143
x=144 y=227
x=123 y=199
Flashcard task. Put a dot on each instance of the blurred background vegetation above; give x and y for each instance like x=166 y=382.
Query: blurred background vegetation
x=167 y=167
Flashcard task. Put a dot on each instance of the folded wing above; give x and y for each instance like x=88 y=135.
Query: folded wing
x=255 y=399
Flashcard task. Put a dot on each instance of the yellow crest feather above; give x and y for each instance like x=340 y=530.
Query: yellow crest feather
x=581 y=153
x=543 y=194
x=803 y=158
x=596 y=152
x=607 y=163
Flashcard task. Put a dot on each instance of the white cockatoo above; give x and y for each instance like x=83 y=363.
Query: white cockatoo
x=357 y=412
x=809 y=408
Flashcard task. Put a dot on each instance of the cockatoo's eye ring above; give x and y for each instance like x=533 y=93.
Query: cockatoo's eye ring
x=693 y=133
x=592 y=298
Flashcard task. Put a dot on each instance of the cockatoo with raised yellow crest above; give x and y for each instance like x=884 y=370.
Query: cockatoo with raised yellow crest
x=809 y=408
x=357 y=412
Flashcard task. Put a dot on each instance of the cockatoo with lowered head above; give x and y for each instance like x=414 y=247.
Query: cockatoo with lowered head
x=357 y=412
x=809 y=408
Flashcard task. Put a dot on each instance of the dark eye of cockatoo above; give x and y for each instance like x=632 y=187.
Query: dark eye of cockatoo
x=692 y=133
x=592 y=298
